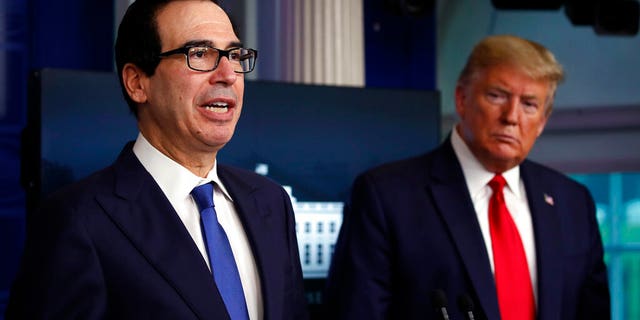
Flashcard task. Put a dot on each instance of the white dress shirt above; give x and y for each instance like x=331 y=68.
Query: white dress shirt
x=477 y=178
x=177 y=182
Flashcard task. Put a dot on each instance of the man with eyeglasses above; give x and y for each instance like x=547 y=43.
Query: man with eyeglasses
x=166 y=232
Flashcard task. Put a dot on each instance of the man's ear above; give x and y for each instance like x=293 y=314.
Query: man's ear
x=133 y=80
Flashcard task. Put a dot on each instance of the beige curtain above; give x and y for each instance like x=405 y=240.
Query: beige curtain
x=323 y=42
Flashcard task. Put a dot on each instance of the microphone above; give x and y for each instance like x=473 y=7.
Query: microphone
x=439 y=300
x=465 y=303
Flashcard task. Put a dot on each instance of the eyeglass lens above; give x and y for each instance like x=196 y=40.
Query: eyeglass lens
x=206 y=58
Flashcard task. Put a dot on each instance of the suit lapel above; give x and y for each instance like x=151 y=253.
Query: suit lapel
x=547 y=232
x=257 y=226
x=454 y=205
x=146 y=217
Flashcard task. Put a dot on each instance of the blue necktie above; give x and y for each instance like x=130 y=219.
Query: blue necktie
x=223 y=265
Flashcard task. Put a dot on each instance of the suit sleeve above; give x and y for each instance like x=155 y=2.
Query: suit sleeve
x=60 y=275
x=360 y=279
x=594 y=299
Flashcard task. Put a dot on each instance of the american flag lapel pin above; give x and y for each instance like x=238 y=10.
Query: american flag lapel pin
x=548 y=199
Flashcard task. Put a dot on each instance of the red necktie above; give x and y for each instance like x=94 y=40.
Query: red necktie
x=513 y=282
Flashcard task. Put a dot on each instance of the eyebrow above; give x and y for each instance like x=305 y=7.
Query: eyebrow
x=530 y=97
x=499 y=88
x=508 y=92
x=234 y=44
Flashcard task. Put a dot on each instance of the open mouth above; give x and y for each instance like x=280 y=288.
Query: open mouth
x=217 y=107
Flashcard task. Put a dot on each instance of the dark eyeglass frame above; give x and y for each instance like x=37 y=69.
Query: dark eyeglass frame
x=221 y=53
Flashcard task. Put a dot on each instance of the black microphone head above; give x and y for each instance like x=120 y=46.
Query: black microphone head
x=438 y=298
x=465 y=302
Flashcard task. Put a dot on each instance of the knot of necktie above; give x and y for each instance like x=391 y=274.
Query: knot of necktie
x=203 y=196
x=497 y=183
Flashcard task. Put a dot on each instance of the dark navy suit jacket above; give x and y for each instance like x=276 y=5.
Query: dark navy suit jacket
x=113 y=247
x=412 y=230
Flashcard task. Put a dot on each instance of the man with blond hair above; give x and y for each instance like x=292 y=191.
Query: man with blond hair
x=473 y=229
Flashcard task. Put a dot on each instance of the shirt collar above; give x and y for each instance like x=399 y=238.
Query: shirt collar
x=175 y=180
x=476 y=176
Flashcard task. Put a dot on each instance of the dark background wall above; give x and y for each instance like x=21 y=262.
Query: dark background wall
x=400 y=44
x=34 y=34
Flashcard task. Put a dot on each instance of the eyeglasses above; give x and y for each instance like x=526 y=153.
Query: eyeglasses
x=205 y=58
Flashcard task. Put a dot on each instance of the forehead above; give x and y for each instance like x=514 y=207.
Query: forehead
x=194 y=20
x=513 y=79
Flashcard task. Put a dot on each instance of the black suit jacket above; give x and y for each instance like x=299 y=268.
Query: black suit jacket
x=412 y=230
x=112 y=247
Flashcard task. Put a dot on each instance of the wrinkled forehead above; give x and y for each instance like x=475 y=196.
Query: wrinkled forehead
x=512 y=70
x=185 y=21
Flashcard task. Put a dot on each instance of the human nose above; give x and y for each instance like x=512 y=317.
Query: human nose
x=224 y=72
x=510 y=111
